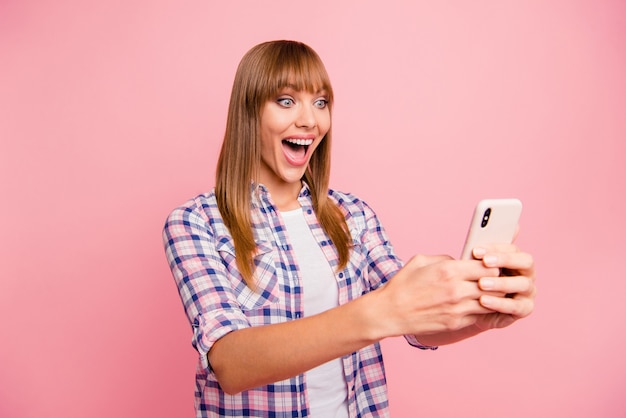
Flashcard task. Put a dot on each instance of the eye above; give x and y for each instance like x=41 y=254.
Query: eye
x=321 y=103
x=285 y=101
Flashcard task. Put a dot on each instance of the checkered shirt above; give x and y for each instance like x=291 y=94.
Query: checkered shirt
x=201 y=255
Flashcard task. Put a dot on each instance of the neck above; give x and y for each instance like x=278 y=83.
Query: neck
x=285 y=202
x=285 y=196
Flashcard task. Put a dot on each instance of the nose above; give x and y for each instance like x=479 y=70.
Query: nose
x=306 y=117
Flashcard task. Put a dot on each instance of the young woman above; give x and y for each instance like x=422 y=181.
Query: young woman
x=289 y=286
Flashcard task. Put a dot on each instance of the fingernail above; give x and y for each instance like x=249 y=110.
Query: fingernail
x=479 y=252
x=487 y=301
x=487 y=284
x=490 y=261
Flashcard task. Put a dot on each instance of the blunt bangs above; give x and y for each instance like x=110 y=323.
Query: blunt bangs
x=295 y=65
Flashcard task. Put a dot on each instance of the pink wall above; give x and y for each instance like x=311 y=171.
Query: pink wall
x=111 y=114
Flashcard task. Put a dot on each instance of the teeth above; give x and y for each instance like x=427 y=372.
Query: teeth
x=299 y=141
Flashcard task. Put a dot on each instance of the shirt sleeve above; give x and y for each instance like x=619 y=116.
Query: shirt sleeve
x=201 y=278
x=412 y=340
x=383 y=261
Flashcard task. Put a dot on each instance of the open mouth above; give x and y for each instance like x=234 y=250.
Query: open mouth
x=296 y=149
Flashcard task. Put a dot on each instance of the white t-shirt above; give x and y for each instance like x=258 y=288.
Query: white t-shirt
x=326 y=384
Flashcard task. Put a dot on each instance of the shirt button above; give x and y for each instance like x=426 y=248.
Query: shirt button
x=309 y=211
x=341 y=275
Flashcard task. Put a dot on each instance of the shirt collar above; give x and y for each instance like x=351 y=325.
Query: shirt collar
x=261 y=196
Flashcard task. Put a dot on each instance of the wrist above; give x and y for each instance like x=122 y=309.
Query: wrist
x=377 y=321
x=448 y=337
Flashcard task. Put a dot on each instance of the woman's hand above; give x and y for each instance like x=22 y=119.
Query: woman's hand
x=441 y=300
x=515 y=287
x=431 y=295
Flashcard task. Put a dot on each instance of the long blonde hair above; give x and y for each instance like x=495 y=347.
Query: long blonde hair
x=262 y=72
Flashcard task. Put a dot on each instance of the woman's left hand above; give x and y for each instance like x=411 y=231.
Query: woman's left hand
x=510 y=296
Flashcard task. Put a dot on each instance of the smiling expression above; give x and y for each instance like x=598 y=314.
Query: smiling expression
x=293 y=123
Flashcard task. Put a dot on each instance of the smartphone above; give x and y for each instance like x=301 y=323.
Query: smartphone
x=494 y=222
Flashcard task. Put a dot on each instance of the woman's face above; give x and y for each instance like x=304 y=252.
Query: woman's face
x=293 y=123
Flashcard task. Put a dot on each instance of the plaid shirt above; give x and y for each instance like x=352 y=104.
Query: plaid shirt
x=201 y=255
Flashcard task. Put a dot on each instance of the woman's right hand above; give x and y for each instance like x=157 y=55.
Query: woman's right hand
x=432 y=295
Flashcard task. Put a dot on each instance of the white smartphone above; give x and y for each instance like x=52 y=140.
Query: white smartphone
x=494 y=222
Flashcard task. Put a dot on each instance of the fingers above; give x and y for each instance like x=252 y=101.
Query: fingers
x=480 y=252
x=507 y=285
x=518 y=306
x=470 y=269
x=515 y=297
x=506 y=256
x=511 y=261
x=444 y=269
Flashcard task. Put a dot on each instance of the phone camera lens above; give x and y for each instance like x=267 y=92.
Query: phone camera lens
x=485 y=220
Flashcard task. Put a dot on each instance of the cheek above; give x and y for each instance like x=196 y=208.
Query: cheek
x=275 y=127
x=324 y=124
x=271 y=121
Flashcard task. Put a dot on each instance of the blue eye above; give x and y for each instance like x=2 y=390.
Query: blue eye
x=321 y=103
x=285 y=101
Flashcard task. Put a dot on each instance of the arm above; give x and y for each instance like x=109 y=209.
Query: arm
x=435 y=298
x=419 y=300
x=438 y=298
x=257 y=356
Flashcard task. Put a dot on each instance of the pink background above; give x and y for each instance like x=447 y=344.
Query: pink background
x=112 y=113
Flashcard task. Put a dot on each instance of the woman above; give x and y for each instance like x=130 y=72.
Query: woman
x=282 y=279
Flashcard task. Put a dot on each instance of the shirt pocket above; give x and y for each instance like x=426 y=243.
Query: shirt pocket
x=266 y=289
x=357 y=269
